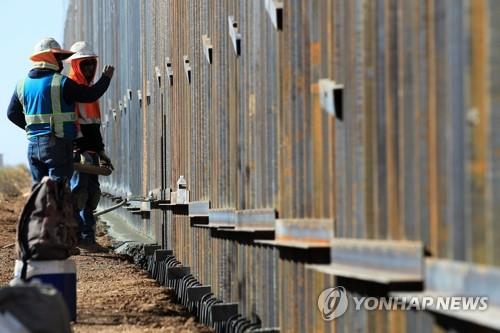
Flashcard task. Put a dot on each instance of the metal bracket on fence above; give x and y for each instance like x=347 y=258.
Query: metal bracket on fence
x=176 y=208
x=166 y=194
x=199 y=208
x=234 y=34
x=159 y=197
x=381 y=261
x=125 y=102
x=148 y=92
x=198 y=212
x=250 y=225
x=145 y=207
x=304 y=233
x=129 y=93
x=219 y=218
x=187 y=69
x=331 y=97
x=457 y=280
x=275 y=10
x=149 y=249
x=306 y=240
x=141 y=213
x=120 y=106
x=170 y=71
x=197 y=292
x=224 y=311
x=139 y=97
x=162 y=254
x=207 y=48
x=133 y=206
x=176 y=273
x=158 y=76
x=256 y=220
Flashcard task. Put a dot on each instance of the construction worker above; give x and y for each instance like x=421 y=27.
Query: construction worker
x=89 y=145
x=43 y=104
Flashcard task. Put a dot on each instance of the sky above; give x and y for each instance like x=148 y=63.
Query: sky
x=22 y=24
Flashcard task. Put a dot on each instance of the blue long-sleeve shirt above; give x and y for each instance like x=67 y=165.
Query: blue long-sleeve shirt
x=72 y=93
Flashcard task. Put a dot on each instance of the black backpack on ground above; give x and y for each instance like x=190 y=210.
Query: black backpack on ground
x=47 y=229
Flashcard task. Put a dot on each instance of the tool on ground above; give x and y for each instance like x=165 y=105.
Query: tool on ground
x=107 y=210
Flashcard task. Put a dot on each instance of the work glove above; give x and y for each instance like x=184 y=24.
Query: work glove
x=108 y=71
x=86 y=158
x=104 y=160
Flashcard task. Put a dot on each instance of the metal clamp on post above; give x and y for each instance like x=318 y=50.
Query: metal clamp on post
x=110 y=104
x=125 y=103
x=187 y=69
x=111 y=109
x=148 y=92
x=234 y=34
x=331 y=96
x=169 y=70
x=139 y=97
x=158 y=76
x=159 y=197
x=129 y=93
x=145 y=208
x=207 y=48
x=275 y=10
x=139 y=208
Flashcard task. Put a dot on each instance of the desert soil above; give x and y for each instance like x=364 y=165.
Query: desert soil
x=113 y=295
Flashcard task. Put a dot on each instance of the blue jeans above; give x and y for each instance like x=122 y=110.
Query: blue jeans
x=50 y=156
x=86 y=194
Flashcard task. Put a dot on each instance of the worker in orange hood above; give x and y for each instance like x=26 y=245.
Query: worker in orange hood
x=43 y=104
x=89 y=145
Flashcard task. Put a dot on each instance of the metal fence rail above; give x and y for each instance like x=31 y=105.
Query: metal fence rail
x=310 y=128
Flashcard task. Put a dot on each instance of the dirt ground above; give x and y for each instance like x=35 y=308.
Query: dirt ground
x=113 y=295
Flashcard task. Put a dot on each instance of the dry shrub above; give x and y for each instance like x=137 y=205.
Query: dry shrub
x=14 y=181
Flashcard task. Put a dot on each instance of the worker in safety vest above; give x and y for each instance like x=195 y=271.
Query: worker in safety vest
x=89 y=146
x=43 y=104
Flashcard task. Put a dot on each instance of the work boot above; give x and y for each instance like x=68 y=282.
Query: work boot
x=74 y=251
x=91 y=246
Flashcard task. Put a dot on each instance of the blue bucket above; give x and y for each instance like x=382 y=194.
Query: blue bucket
x=61 y=274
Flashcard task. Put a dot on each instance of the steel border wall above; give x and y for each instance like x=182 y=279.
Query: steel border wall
x=413 y=163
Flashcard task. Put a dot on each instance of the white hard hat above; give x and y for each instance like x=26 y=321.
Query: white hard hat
x=48 y=45
x=81 y=50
